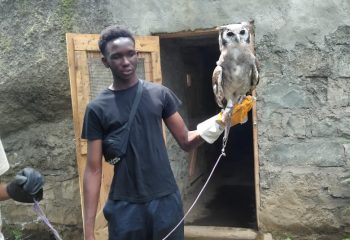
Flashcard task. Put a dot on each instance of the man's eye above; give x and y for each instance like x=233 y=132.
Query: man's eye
x=117 y=56
x=131 y=53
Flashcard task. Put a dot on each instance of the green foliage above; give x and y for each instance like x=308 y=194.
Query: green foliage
x=67 y=14
x=17 y=234
x=348 y=238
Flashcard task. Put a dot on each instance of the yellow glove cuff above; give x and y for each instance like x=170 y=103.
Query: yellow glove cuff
x=240 y=111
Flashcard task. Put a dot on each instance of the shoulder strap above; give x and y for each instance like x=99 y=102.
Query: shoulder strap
x=136 y=102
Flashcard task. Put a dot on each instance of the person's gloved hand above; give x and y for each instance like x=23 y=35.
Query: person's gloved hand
x=211 y=129
x=240 y=112
x=27 y=186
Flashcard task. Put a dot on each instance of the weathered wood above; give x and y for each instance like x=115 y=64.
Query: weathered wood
x=82 y=92
x=256 y=162
x=196 y=33
x=89 y=42
x=255 y=142
x=74 y=97
x=218 y=233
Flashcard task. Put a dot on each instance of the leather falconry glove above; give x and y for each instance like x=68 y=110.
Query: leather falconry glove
x=27 y=186
x=211 y=129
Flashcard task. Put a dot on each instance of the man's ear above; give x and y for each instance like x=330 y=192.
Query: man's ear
x=104 y=61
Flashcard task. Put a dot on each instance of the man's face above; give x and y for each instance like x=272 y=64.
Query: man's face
x=121 y=57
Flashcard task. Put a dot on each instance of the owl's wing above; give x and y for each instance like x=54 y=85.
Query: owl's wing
x=217 y=86
x=254 y=78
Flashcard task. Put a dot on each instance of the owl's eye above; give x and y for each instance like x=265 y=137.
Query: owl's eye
x=242 y=32
x=230 y=34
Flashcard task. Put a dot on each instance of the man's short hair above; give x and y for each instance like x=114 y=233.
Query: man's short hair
x=111 y=33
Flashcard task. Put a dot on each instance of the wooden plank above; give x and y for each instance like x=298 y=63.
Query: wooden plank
x=81 y=101
x=147 y=43
x=219 y=233
x=148 y=67
x=157 y=71
x=83 y=92
x=196 y=33
x=86 y=42
x=89 y=42
x=256 y=162
x=157 y=76
x=255 y=141
x=73 y=88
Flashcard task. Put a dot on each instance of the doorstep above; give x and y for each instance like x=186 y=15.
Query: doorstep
x=223 y=233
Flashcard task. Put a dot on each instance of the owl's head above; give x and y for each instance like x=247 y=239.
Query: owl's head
x=234 y=34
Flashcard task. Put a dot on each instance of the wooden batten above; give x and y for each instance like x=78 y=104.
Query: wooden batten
x=194 y=33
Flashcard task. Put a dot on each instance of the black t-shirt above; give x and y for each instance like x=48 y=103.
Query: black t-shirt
x=145 y=173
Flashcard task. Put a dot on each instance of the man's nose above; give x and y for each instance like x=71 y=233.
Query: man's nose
x=125 y=60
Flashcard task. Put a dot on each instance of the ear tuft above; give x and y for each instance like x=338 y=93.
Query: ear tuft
x=221 y=28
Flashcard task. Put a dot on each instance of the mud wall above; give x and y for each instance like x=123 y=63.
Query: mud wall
x=303 y=101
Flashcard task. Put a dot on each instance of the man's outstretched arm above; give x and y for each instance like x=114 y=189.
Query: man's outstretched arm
x=187 y=140
x=3 y=192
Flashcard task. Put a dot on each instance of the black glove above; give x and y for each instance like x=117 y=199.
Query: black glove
x=27 y=186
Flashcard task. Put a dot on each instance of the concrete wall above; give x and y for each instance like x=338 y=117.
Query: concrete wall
x=303 y=105
x=173 y=75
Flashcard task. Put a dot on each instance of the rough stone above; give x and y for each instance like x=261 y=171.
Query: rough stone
x=303 y=100
x=347 y=153
x=307 y=154
x=338 y=93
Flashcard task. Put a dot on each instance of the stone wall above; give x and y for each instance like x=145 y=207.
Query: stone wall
x=303 y=100
x=304 y=133
x=173 y=75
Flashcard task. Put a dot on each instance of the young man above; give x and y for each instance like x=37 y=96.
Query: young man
x=144 y=201
x=26 y=186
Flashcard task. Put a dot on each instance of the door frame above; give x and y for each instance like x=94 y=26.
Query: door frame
x=210 y=32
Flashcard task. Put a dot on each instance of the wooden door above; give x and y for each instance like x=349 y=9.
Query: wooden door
x=88 y=76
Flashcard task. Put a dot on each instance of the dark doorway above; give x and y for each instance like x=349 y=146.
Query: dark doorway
x=229 y=199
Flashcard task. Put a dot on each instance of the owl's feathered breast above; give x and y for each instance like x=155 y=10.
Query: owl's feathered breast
x=237 y=66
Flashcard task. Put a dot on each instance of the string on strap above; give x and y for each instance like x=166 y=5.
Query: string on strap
x=42 y=217
x=223 y=154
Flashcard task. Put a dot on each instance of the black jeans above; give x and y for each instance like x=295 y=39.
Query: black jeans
x=145 y=221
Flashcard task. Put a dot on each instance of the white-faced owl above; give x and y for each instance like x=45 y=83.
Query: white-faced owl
x=236 y=73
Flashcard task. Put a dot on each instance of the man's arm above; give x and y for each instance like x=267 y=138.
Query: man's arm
x=187 y=140
x=3 y=192
x=92 y=186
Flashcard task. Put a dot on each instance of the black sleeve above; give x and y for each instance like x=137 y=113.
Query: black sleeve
x=171 y=103
x=92 y=128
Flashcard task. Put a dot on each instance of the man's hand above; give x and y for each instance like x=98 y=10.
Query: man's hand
x=27 y=186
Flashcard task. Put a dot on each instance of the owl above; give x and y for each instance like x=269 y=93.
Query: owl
x=236 y=73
